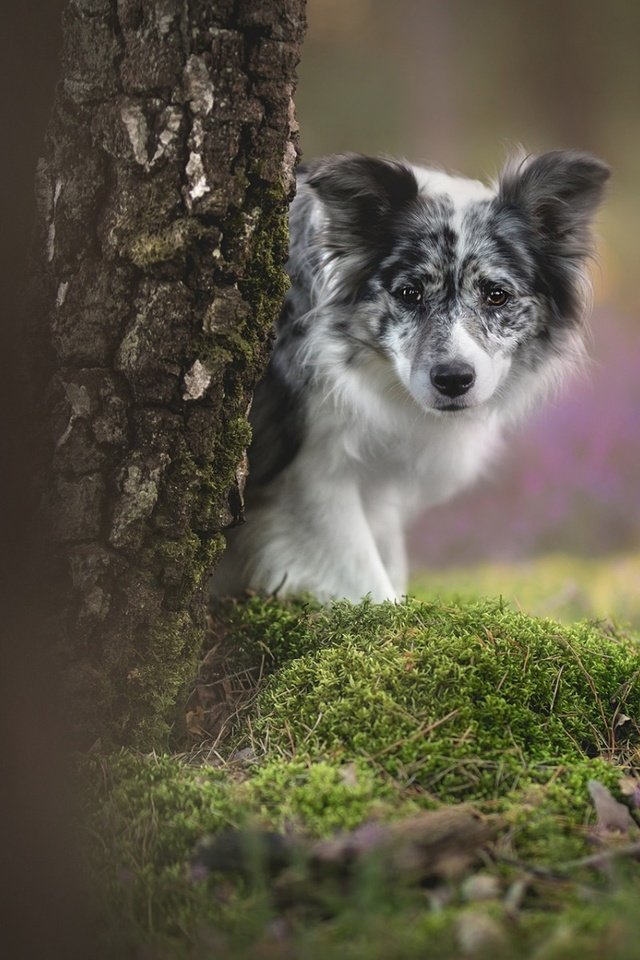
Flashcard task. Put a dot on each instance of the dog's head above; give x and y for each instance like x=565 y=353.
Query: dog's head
x=468 y=292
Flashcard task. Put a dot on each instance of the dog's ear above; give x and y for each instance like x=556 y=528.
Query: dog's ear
x=360 y=194
x=559 y=193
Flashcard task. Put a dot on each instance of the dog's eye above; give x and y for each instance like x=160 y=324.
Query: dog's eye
x=494 y=295
x=409 y=295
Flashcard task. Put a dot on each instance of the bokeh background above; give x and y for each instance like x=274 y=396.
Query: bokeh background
x=456 y=83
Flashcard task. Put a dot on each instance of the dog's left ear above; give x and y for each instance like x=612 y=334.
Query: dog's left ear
x=559 y=193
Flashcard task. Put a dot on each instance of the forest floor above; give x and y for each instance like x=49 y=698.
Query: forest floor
x=442 y=778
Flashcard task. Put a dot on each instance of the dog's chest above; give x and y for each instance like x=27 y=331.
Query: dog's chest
x=428 y=463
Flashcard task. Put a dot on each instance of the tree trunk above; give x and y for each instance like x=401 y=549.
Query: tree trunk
x=161 y=237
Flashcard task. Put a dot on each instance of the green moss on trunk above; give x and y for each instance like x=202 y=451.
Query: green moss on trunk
x=145 y=689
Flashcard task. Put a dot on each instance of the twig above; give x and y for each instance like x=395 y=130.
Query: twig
x=605 y=856
x=559 y=871
x=546 y=873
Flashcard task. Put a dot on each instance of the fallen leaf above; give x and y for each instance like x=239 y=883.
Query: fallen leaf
x=477 y=932
x=613 y=817
x=630 y=787
x=194 y=720
x=349 y=775
x=622 y=719
x=480 y=886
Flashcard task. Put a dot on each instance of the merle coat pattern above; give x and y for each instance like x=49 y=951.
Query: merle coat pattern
x=426 y=312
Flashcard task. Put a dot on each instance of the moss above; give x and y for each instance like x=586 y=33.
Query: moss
x=351 y=724
x=266 y=625
x=448 y=703
x=551 y=821
x=263 y=283
x=147 y=249
x=461 y=700
x=205 y=483
x=150 y=673
x=151 y=680
x=194 y=498
x=184 y=563
x=229 y=450
x=148 y=813
x=321 y=797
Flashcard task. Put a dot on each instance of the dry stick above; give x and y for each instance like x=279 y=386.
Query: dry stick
x=559 y=871
x=537 y=871
x=556 y=688
x=605 y=856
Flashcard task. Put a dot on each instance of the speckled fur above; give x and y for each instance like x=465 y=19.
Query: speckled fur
x=351 y=435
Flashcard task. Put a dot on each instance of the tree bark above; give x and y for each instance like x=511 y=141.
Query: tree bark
x=161 y=236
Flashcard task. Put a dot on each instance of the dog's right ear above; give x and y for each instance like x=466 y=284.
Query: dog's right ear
x=360 y=194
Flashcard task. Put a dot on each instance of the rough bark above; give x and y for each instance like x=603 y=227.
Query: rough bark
x=162 y=231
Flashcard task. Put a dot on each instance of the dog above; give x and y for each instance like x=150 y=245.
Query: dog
x=426 y=313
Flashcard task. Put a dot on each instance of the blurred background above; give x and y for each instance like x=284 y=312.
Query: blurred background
x=455 y=83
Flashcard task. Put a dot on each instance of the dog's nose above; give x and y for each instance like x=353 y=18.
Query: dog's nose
x=452 y=379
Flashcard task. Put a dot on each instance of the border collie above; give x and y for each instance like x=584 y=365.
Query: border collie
x=426 y=312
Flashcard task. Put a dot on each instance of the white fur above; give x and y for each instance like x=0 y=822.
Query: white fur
x=376 y=449
x=370 y=461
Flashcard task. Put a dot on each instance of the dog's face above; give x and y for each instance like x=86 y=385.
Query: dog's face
x=466 y=291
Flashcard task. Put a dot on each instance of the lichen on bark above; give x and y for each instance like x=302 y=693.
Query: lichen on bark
x=163 y=193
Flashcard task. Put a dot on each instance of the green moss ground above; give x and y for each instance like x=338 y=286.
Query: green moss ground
x=378 y=711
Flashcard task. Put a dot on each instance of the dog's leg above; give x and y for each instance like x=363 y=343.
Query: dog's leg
x=306 y=540
x=347 y=551
x=393 y=552
x=312 y=537
x=386 y=521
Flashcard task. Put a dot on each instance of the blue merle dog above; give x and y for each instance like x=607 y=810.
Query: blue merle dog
x=426 y=313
